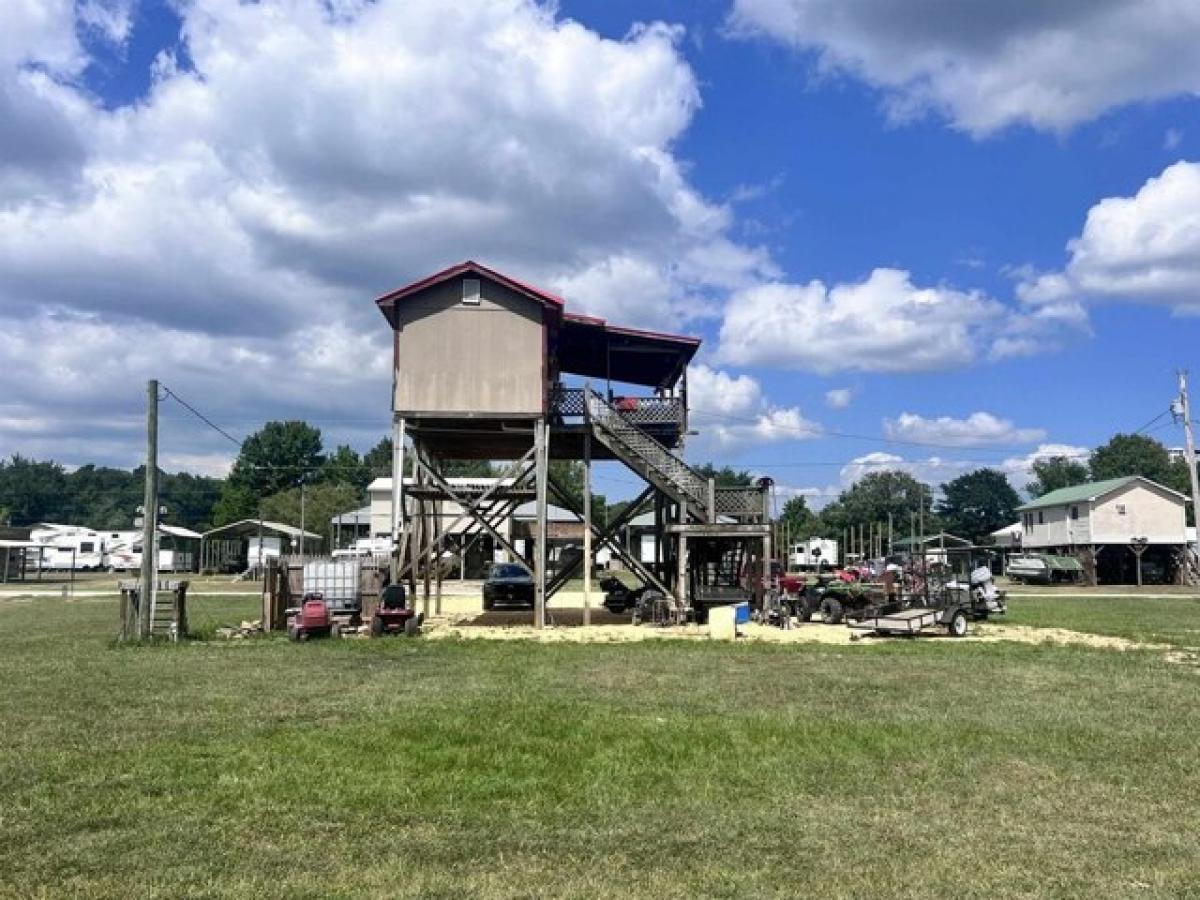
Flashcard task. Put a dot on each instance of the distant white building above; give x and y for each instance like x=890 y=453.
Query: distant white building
x=1009 y=535
x=1109 y=525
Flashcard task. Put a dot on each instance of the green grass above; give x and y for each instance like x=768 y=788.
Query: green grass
x=1163 y=620
x=452 y=769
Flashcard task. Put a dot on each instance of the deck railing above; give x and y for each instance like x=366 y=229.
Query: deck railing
x=568 y=403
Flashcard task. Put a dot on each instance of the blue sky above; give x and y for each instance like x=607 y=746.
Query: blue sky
x=232 y=184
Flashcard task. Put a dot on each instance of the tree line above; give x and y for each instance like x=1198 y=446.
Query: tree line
x=283 y=459
x=982 y=501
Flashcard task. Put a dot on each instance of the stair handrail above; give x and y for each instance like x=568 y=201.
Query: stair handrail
x=597 y=409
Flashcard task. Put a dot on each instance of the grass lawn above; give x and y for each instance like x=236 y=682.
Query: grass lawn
x=1164 y=620
x=658 y=769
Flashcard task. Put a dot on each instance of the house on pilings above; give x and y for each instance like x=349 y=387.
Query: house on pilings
x=489 y=367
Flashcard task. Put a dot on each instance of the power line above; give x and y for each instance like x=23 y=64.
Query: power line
x=203 y=418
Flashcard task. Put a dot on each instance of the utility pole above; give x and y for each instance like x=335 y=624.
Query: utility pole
x=1184 y=411
x=302 y=532
x=149 y=514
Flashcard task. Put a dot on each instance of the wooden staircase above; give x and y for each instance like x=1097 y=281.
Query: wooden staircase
x=651 y=460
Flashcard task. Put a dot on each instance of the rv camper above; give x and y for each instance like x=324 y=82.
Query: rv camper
x=66 y=547
x=813 y=552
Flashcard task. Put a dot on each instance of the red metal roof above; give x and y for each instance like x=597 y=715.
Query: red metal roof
x=588 y=345
x=545 y=297
x=598 y=322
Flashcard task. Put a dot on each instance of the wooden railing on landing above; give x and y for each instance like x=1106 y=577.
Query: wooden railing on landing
x=570 y=403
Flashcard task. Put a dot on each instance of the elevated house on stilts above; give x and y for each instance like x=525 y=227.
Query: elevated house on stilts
x=487 y=367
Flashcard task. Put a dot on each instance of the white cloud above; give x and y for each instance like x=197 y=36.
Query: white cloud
x=1019 y=469
x=986 y=66
x=979 y=429
x=243 y=214
x=731 y=412
x=933 y=470
x=839 y=398
x=1142 y=249
x=1172 y=138
x=882 y=324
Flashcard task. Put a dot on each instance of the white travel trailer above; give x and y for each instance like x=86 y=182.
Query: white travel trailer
x=808 y=554
x=66 y=547
x=124 y=550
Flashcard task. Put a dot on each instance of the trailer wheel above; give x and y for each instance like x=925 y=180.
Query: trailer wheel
x=831 y=611
x=958 y=624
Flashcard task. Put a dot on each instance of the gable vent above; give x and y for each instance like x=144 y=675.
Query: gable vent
x=471 y=291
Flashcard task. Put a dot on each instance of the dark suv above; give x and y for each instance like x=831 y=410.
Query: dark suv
x=508 y=585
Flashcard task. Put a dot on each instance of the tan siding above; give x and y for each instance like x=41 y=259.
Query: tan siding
x=456 y=358
x=1151 y=514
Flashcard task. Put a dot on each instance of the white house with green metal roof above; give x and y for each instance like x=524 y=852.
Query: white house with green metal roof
x=1110 y=525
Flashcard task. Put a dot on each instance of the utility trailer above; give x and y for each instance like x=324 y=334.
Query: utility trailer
x=952 y=605
x=912 y=621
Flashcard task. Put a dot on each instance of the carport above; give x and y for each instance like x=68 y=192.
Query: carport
x=239 y=546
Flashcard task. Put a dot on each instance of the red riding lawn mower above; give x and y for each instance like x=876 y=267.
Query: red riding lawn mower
x=311 y=619
x=393 y=615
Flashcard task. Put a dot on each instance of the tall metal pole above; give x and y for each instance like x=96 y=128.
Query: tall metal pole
x=1190 y=448
x=149 y=513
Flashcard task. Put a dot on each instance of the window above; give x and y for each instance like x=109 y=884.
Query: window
x=1041 y=519
x=1074 y=512
x=1120 y=509
x=471 y=291
x=87 y=547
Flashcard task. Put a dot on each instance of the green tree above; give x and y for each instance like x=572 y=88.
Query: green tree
x=1056 y=472
x=873 y=497
x=469 y=468
x=322 y=501
x=1131 y=454
x=378 y=459
x=103 y=497
x=977 y=503
x=190 y=499
x=345 y=466
x=796 y=520
x=276 y=457
x=33 y=491
x=568 y=474
x=726 y=476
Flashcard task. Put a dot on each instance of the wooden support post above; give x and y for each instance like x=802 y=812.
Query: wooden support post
x=539 y=563
x=427 y=563
x=681 y=579
x=397 y=523
x=440 y=537
x=1138 y=546
x=587 y=527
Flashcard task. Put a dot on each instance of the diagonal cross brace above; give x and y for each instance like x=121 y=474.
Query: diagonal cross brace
x=605 y=537
x=471 y=508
